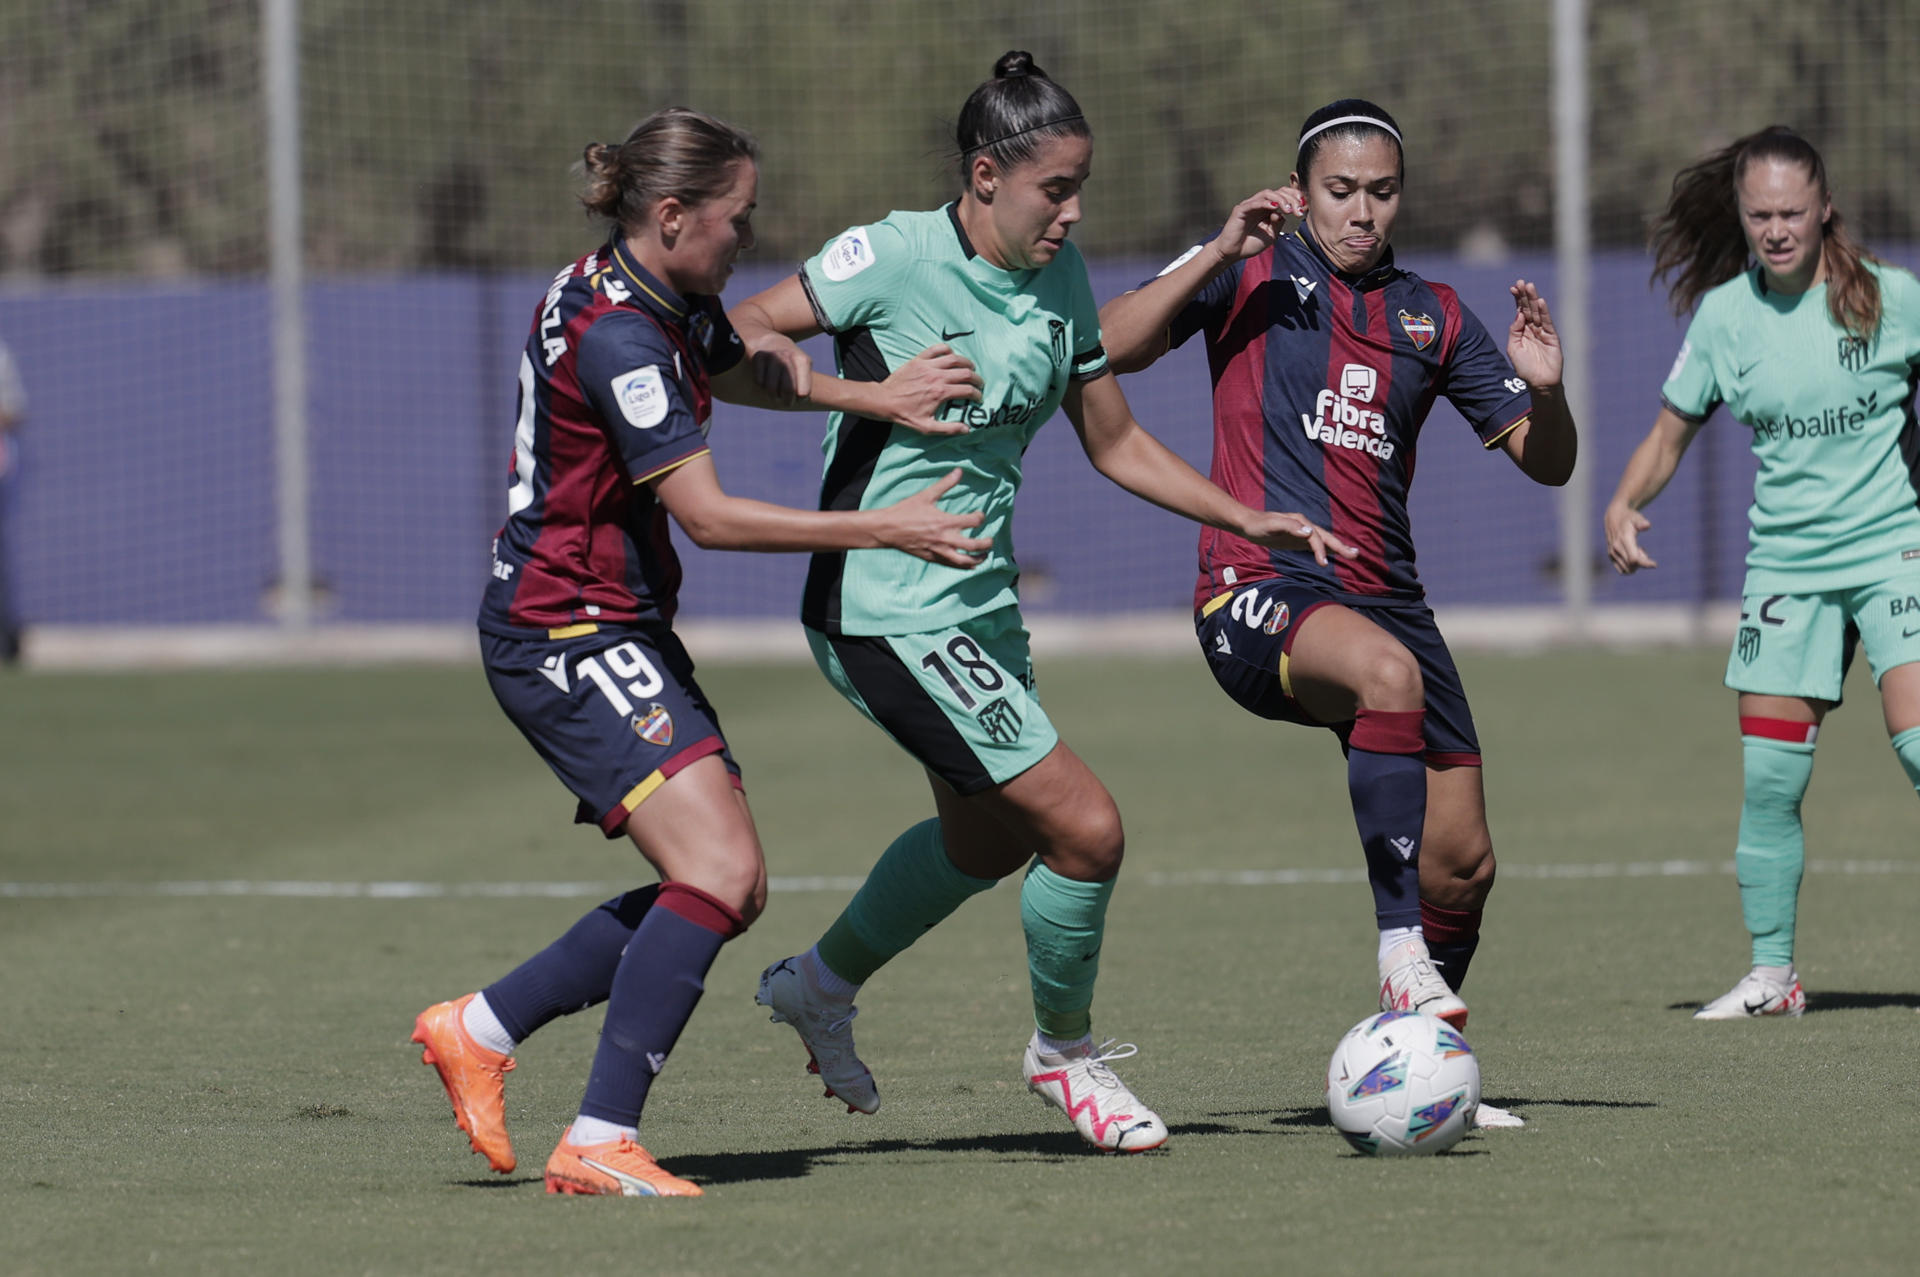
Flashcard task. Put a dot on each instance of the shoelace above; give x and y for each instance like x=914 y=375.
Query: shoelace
x=840 y=1025
x=1096 y=1061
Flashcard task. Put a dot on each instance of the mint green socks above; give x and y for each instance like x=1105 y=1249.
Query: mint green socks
x=914 y=886
x=1907 y=746
x=1772 y=852
x=910 y=889
x=1065 y=920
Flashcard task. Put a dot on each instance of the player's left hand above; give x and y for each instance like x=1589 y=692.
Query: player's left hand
x=1533 y=347
x=782 y=370
x=1280 y=530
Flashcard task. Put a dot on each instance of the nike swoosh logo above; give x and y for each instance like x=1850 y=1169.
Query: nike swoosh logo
x=1741 y=372
x=1908 y=633
x=947 y=336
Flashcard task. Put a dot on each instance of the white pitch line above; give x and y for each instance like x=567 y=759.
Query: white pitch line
x=305 y=890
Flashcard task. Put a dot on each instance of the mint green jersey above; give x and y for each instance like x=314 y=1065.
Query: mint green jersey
x=886 y=292
x=1833 y=420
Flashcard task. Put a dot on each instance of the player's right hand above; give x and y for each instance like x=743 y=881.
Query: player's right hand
x=1624 y=526
x=919 y=526
x=1280 y=530
x=1256 y=222
x=916 y=389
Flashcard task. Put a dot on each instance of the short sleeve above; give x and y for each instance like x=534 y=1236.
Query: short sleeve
x=853 y=281
x=1900 y=309
x=628 y=372
x=1089 y=352
x=1482 y=384
x=713 y=333
x=1692 y=390
x=1207 y=308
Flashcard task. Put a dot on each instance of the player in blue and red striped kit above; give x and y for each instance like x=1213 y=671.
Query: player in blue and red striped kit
x=1326 y=359
x=626 y=352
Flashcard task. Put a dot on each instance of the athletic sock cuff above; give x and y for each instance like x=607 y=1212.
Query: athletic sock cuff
x=1448 y=926
x=702 y=909
x=1389 y=731
x=1783 y=730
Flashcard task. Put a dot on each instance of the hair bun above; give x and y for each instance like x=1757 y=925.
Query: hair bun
x=1016 y=63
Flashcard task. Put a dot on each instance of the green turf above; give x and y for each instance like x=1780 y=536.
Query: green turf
x=225 y=1086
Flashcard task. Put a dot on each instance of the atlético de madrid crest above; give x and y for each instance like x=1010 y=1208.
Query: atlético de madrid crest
x=1419 y=328
x=655 y=726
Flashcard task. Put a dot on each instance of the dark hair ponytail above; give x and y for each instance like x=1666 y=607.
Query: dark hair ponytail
x=1699 y=240
x=675 y=152
x=1009 y=116
x=1354 y=118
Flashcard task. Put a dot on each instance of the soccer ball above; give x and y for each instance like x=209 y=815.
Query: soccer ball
x=1402 y=1084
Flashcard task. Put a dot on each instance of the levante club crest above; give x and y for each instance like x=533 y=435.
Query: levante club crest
x=1419 y=328
x=655 y=726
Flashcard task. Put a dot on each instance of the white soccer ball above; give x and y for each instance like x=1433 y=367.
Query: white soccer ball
x=1402 y=1084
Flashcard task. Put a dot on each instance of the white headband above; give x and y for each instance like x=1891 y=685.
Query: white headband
x=1348 y=119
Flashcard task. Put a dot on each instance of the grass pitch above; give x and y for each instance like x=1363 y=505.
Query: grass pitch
x=217 y=1083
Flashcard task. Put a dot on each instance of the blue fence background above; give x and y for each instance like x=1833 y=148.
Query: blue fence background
x=147 y=491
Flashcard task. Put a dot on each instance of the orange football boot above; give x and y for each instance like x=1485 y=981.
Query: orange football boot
x=617 y=1168
x=474 y=1078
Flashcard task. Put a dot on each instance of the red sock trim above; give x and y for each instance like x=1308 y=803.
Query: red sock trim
x=1779 y=729
x=1389 y=731
x=1449 y=926
x=702 y=909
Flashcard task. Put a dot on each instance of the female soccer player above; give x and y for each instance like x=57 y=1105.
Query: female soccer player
x=1814 y=346
x=576 y=626
x=1326 y=358
x=938 y=658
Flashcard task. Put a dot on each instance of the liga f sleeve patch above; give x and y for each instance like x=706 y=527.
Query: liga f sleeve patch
x=847 y=256
x=642 y=396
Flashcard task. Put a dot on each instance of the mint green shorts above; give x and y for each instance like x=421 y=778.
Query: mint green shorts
x=1802 y=644
x=960 y=700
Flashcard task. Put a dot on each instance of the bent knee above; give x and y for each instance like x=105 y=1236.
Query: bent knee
x=737 y=881
x=1391 y=681
x=1091 y=850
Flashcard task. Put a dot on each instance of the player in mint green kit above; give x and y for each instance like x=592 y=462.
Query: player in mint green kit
x=938 y=659
x=1815 y=347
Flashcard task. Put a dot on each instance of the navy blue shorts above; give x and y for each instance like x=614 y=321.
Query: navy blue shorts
x=614 y=713
x=1247 y=633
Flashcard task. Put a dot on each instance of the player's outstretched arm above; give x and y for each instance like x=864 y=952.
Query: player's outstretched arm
x=1121 y=449
x=917 y=524
x=1133 y=326
x=1648 y=471
x=1546 y=445
x=778 y=374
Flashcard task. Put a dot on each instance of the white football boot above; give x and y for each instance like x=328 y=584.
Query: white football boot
x=1079 y=1084
x=1489 y=1118
x=825 y=1026
x=1410 y=982
x=1756 y=996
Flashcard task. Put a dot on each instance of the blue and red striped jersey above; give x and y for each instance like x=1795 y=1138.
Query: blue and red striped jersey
x=1320 y=385
x=613 y=393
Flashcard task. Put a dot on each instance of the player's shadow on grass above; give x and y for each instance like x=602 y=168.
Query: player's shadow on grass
x=796 y=1163
x=1306 y=1117
x=1832 y=1001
